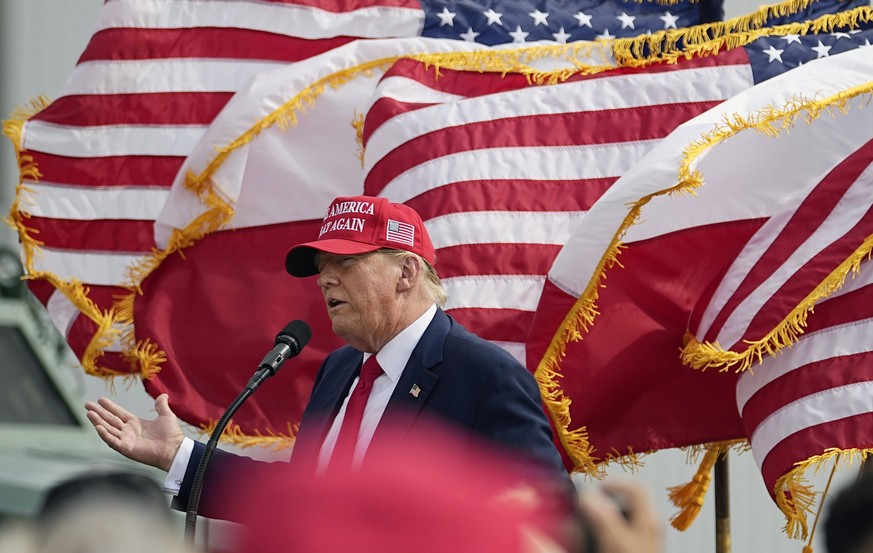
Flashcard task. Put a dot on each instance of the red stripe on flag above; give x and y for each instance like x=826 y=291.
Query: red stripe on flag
x=108 y=171
x=502 y=325
x=203 y=42
x=502 y=259
x=189 y=108
x=111 y=235
x=510 y=195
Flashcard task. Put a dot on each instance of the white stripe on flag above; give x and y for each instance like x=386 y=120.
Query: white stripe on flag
x=494 y=291
x=60 y=201
x=108 y=269
x=164 y=75
x=502 y=227
x=112 y=140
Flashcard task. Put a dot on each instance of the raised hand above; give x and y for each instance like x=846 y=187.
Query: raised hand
x=153 y=442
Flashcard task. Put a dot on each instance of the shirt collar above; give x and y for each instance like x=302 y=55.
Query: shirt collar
x=395 y=354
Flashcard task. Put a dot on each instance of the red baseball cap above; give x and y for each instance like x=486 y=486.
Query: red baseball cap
x=361 y=224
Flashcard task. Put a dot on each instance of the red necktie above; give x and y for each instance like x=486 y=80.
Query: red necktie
x=351 y=426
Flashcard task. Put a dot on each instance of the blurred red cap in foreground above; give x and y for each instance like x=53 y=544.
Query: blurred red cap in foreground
x=426 y=493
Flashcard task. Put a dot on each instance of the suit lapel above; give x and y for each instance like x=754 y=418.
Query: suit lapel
x=323 y=406
x=417 y=380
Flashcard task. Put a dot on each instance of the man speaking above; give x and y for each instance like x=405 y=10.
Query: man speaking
x=406 y=365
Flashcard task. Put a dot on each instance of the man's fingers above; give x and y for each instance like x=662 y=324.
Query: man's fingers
x=122 y=414
x=111 y=439
x=97 y=414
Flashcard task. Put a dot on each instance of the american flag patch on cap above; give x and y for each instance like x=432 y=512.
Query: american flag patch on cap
x=404 y=233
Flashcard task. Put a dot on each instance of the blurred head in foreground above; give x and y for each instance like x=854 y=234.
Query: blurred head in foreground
x=99 y=513
x=849 y=520
x=425 y=494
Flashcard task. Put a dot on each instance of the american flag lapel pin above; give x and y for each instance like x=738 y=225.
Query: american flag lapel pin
x=415 y=390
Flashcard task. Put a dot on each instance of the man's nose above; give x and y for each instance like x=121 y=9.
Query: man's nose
x=326 y=278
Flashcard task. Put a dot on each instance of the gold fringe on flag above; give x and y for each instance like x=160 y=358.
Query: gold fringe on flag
x=794 y=495
x=107 y=331
x=703 y=355
x=710 y=38
x=234 y=435
x=358 y=125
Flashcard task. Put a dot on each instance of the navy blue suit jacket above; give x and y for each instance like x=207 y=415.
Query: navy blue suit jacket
x=475 y=386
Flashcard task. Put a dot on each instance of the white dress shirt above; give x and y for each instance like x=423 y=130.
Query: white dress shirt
x=392 y=358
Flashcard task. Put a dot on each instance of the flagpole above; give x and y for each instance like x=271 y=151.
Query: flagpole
x=722 y=505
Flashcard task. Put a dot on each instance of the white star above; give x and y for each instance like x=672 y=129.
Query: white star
x=470 y=35
x=626 y=20
x=867 y=42
x=669 y=20
x=539 y=17
x=605 y=35
x=838 y=36
x=854 y=31
x=561 y=36
x=774 y=53
x=446 y=17
x=821 y=50
x=791 y=38
x=518 y=35
x=584 y=19
x=493 y=16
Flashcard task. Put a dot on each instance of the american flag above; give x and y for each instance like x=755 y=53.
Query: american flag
x=767 y=235
x=637 y=318
x=98 y=162
x=96 y=198
x=403 y=233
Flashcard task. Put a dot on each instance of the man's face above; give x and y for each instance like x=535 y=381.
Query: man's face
x=360 y=292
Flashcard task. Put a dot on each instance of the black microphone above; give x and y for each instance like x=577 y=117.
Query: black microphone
x=289 y=342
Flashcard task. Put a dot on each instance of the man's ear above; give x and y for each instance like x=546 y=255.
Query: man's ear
x=410 y=271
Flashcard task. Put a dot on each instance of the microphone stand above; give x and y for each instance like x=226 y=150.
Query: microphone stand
x=197 y=483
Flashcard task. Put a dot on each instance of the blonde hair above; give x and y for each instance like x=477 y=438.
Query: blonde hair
x=432 y=283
